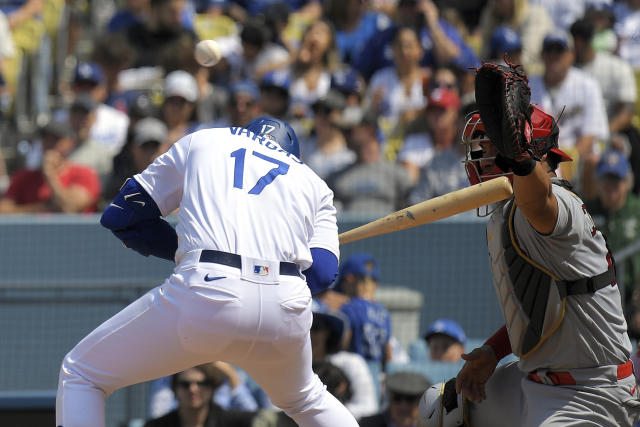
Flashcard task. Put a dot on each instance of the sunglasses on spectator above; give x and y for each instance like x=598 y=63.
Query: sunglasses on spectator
x=435 y=85
x=408 y=398
x=187 y=384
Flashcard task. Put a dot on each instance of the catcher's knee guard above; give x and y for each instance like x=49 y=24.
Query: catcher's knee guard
x=440 y=406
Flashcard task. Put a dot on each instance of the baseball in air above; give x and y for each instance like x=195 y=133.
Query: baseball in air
x=208 y=53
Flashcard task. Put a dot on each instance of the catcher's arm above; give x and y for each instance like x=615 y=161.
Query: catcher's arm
x=535 y=199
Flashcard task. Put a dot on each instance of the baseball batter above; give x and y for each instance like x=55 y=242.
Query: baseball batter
x=555 y=281
x=253 y=223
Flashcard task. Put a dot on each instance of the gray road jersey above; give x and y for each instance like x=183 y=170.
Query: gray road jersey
x=593 y=332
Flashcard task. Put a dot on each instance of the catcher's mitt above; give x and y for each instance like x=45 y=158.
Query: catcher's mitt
x=503 y=97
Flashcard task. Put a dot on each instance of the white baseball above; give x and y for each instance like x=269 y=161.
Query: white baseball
x=208 y=53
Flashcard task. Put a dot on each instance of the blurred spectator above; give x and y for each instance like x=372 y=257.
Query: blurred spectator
x=83 y=114
x=19 y=11
x=274 y=94
x=370 y=321
x=600 y=14
x=370 y=185
x=151 y=37
x=179 y=107
x=309 y=10
x=434 y=131
x=575 y=98
x=134 y=12
x=530 y=21
x=113 y=54
x=564 y=13
x=123 y=163
x=445 y=339
x=326 y=150
x=441 y=43
x=148 y=134
x=59 y=185
x=7 y=48
x=627 y=13
x=350 y=84
x=616 y=212
x=614 y=76
x=404 y=390
x=355 y=24
x=506 y=44
x=243 y=104
x=255 y=54
x=328 y=333
x=194 y=390
x=396 y=92
x=311 y=70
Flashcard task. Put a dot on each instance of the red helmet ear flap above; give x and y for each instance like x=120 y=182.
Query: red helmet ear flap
x=472 y=172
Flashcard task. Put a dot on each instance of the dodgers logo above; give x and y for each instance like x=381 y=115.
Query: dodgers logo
x=260 y=270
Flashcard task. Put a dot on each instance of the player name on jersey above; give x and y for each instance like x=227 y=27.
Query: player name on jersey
x=262 y=140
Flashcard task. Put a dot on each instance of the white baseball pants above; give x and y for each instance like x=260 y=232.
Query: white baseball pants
x=263 y=328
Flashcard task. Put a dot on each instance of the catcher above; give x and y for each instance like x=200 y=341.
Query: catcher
x=555 y=281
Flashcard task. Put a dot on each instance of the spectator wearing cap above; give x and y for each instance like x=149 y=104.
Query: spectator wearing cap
x=179 y=106
x=348 y=81
x=614 y=76
x=563 y=90
x=616 y=212
x=326 y=150
x=371 y=184
x=274 y=94
x=404 y=390
x=370 y=320
x=154 y=35
x=109 y=128
x=329 y=332
x=431 y=135
x=529 y=20
x=505 y=44
x=58 y=185
x=82 y=116
x=446 y=340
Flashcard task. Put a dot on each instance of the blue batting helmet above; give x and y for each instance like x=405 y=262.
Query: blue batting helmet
x=277 y=130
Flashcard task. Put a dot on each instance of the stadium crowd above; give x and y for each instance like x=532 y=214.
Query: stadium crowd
x=378 y=92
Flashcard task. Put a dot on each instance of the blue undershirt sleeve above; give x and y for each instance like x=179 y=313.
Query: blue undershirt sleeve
x=134 y=218
x=323 y=272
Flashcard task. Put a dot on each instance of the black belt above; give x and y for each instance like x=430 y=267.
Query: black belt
x=233 y=260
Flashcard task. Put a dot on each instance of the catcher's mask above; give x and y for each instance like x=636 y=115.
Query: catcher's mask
x=481 y=167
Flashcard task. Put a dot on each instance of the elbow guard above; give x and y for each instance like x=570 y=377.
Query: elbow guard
x=323 y=272
x=131 y=206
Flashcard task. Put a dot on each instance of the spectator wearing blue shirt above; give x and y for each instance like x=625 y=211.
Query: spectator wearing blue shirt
x=370 y=321
x=134 y=12
x=441 y=42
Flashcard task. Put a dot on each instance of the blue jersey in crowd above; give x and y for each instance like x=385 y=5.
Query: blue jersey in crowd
x=370 y=326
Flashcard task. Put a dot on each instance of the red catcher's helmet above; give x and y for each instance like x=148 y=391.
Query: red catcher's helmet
x=479 y=168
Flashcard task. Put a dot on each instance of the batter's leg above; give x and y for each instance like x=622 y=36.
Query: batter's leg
x=137 y=344
x=293 y=386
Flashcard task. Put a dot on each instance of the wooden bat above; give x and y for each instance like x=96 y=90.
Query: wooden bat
x=434 y=209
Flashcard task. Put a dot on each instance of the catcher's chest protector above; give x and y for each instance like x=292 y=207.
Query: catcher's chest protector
x=530 y=299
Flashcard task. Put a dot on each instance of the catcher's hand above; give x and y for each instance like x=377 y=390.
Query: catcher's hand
x=503 y=97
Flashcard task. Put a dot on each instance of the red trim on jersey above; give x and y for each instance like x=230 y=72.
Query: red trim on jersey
x=500 y=343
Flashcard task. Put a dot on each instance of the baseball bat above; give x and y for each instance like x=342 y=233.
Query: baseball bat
x=447 y=205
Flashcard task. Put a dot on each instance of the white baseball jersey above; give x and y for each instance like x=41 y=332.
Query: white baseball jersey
x=227 y=205
x=238 y=193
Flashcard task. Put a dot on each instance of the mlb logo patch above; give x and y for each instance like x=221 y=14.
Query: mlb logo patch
x=260 y=270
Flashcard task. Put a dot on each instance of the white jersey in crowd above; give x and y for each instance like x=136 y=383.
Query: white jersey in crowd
x=627 y=28
x=580 y=97
x=228 y=206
